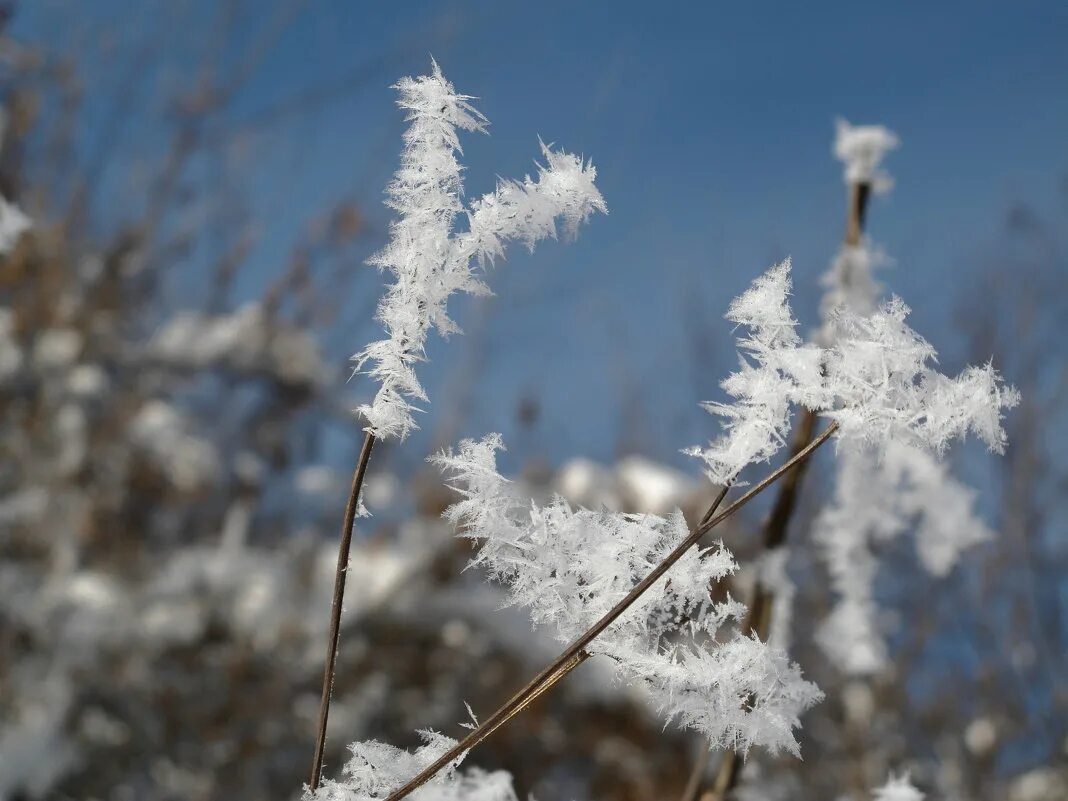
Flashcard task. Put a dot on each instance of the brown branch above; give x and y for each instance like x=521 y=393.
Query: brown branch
x=335 y=608
x=550 y=676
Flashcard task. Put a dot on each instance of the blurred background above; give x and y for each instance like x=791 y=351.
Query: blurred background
x=205 y=181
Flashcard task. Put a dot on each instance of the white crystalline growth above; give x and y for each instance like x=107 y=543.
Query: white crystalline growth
x=897 y=788
x=376 y=769
x=851 y=284
x=861 y=149
x=879 y=373
x=428 y=260
x=569 y=567
x=776 y=371
x=876 y=380
x=877 y=497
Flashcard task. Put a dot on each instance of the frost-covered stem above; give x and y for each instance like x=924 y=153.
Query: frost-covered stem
x=335 y=607
x=758 y=621
x=549 y=676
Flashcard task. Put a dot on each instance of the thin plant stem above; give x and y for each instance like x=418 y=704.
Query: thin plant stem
x=534 y=687
x=340 y=576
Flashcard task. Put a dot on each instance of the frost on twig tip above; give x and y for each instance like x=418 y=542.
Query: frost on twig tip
x=861 y=149
x=429 y=260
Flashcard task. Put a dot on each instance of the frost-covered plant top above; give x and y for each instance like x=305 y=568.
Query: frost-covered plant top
x=376 y=770
x=875 y=380
x=861 y=148
x=429 y=260
x=570 y=567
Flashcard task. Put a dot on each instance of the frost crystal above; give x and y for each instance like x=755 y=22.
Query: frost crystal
x=376 y=770
x=780 y=371
x=569 y=567
x=875 y=380
x=898 y=788
x=430 y=261
x=879 y=372
x=861 y=148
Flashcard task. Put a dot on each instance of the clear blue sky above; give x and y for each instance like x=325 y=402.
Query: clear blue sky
x=710 y=125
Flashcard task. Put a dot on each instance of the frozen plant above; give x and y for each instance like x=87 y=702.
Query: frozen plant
x=375 y=770
x=429 y=260
x=569 y=567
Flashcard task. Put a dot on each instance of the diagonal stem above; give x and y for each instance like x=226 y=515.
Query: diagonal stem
x=549 y=674
x=335 y=607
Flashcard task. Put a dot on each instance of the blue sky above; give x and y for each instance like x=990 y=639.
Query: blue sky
x=710 y=125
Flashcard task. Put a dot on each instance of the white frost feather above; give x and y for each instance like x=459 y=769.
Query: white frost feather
x=569 y=567
x=428 y=260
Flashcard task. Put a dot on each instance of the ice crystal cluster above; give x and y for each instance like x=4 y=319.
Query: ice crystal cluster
x=876 y=380
x=569 y=567
x=883 y=491
x=429 y=260
x=376 y=769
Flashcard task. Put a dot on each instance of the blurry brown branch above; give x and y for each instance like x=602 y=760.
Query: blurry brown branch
x=535 y=686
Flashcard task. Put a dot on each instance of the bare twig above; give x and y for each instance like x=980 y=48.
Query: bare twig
x=550 y=676
x=335 y=608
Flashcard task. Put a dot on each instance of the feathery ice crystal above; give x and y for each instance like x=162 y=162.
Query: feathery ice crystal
x=874 y=380
x=861 y=148
x=783 y=371
x=569 y=567
x=376 y=769
x=430 y=261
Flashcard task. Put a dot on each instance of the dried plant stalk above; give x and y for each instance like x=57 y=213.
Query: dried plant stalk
x=340 y=576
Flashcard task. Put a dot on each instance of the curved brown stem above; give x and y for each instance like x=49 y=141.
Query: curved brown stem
x=335 y=608
x=534 y=687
